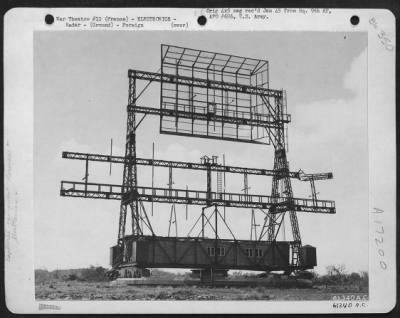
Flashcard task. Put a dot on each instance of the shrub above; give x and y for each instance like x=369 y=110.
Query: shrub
x=336 y=275
x=93 y=274
x=72 y=277
x=42 y=275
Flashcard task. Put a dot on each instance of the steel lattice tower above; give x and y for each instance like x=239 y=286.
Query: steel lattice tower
x=208 y=95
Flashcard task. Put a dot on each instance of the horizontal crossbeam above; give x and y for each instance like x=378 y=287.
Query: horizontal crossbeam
x=260 y=141
x=194 y=197
x=178 y=164
x=315 y=176
x=204 y=83
x=242 y=118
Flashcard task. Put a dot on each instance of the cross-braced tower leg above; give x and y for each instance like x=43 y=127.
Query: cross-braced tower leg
x=281 y=193
x=283 y=203
x=130 y=174
x=272 y=220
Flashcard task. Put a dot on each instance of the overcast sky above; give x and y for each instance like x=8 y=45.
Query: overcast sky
x=81 y=92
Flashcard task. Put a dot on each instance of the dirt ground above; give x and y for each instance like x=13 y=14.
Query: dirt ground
x=75 y=290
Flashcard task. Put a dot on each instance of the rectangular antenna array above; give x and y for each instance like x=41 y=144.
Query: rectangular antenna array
x=214 y=109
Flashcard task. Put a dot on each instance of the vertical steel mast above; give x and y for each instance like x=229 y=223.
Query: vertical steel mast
x=129 y=182
x=282 y=188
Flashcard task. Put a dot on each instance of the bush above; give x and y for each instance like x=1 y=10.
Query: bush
x=93 y=274
x=42 y=275
x=260 y=289
x=162 y=295
x=336 y=275
x=72 y=277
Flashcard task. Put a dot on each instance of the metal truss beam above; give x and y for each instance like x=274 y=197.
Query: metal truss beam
x=315 y=176
x=259 y=120
x=194 y=197
x=179 y=164
x=204 y=83
x=225 y=138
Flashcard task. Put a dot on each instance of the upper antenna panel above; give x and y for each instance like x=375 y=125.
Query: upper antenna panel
x=214 y=66
x=214 y=95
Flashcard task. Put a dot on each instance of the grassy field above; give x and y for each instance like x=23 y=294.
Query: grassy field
x=77 y=290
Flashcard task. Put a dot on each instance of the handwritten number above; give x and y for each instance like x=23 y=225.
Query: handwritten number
x=381 y=34
x=373 y=22
x=389 y=47
x=380 y=241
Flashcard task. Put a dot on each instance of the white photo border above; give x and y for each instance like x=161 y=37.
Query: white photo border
x=20 y=25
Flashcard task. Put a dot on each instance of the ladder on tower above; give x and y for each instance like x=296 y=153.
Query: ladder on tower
x=284 y=111
x=219 y=184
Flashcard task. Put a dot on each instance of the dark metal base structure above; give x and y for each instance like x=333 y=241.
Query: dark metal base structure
x=207 y=255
